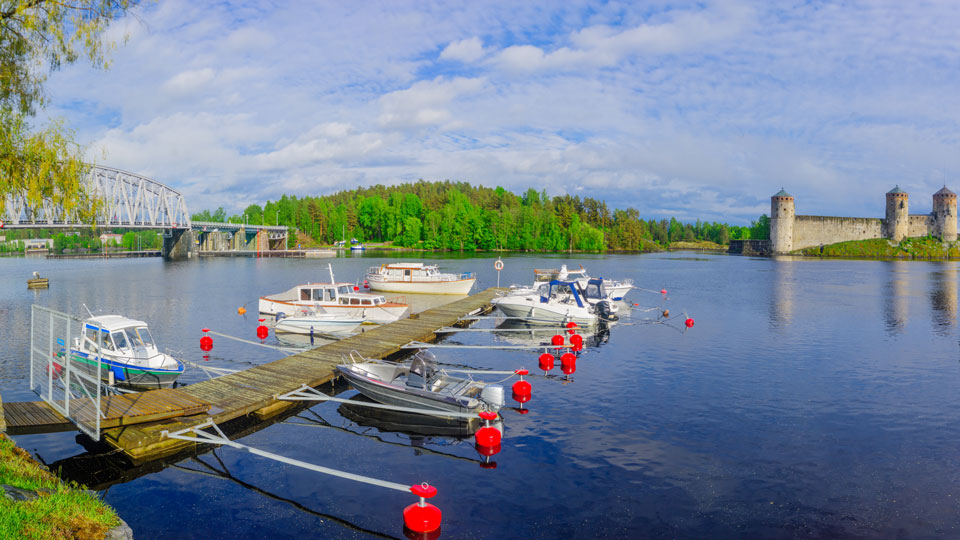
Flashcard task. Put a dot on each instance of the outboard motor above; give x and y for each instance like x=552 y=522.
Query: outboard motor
x=604 y=311
x=492 y=394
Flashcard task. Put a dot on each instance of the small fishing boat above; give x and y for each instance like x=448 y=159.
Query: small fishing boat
x=615 y=289
x=336 y=298
x=421 y=385
x=553 y=302
x=416 y=277
x=312 y=322
x=128 y=355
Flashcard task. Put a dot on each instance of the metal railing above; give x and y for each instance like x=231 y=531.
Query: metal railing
x=66 y=378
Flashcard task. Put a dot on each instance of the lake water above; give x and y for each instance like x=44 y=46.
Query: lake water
x=813 y=399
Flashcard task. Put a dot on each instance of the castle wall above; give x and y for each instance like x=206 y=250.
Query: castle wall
x=809 y=231
x=921 y=225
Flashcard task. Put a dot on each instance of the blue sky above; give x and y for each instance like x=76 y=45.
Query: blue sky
x=685 y=109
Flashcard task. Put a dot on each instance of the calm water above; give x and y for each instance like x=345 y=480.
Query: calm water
x=812 y=399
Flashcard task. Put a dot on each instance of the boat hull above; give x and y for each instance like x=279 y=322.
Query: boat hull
x=307 y=325
x=126 y=375
x=460 y=286
x=382 y=314
x=537 y=313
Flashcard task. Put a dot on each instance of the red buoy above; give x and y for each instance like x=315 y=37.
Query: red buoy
x=54 y=370
x=262 y=331
x=206 y=342
x=556 y=340
x=355 y=288
x=488 y=435
x=421 y=516
x=571 y=327
x=487 y=451
x=522 y=389
x=663 y=292
x=568 y=363
x=546 y=361
x=689 y=322
x=576 y=340
x=366 y=284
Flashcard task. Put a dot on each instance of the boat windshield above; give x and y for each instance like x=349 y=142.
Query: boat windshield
x=343 y=289
x=140 y=336
x=120 y=339
x=595 y=290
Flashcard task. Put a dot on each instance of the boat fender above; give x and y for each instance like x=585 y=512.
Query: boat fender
x=118 y=373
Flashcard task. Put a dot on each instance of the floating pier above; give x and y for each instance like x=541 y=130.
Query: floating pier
x=257 y=390
x=27 y=417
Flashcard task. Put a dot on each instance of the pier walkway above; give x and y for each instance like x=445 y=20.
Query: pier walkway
x=255 y=390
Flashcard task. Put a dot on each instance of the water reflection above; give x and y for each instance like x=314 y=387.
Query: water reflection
x=943 y=297
x=896 y=299
x=782 y=291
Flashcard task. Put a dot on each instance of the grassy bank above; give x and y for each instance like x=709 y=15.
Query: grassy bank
x=59 y=512
x=698 y=245
x=880 y=248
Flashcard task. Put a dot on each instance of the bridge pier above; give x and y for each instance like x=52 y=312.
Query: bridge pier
x=178 y=245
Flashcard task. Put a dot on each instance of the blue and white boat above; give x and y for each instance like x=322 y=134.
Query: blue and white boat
x=556 y=302
x=128 y=355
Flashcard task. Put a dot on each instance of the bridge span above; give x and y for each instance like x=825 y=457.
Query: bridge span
x=133 y=201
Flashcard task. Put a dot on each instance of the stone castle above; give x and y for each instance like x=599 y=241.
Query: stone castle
x=789 y=231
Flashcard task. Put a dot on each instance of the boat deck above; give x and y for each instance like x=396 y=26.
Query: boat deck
x=255 y=390
x=26 y=417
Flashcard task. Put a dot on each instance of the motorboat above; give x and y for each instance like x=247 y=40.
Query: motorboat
x=555 y=302
x=421 y=384
x=126 y=353
x=358 y=247
x=310 y=321
x=615 y=289
x=417 y=277
x=337 y=298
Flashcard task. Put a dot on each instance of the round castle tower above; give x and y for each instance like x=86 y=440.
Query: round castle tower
x=945 y=214
x=897 y=220
x=781 y=222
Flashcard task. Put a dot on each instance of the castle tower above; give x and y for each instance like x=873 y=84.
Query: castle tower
x=898 y=218
x=781 y=222
x=945 y=214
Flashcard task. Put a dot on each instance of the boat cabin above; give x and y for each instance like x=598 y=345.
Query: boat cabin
x=339 y=293
x=595 y=290
x=119 y=335
x=563 y=292
x=406 y=272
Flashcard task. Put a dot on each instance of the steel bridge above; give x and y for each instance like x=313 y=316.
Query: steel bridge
x=130 y=201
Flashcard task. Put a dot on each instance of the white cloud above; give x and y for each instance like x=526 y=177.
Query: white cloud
x=465 y=50
x=688 y=108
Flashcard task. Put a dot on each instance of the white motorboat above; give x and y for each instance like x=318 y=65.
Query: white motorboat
x=336 y=298
x=421 y=385
x=615 y=289
x=409 y=277
x=312 y=322
x=128 y=355
x=554 y=302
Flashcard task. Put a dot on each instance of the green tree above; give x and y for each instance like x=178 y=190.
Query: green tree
x=45 y=165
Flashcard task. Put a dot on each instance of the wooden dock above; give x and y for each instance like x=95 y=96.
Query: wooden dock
x=255 y=390
x=25 y=417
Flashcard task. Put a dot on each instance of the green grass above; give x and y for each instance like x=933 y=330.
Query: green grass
x=880 y=248
x=63 y=512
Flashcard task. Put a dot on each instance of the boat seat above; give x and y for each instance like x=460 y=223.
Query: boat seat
x=415 y=380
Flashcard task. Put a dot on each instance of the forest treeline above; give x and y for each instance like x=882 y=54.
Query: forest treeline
x=459 y=216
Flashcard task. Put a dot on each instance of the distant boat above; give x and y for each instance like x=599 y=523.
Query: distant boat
x=357 y=247
x=410 y=277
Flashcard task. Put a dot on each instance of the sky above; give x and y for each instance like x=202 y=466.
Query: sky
x=695 y=110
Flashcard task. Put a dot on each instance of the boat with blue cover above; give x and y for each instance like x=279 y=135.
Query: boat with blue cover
x=122 y=351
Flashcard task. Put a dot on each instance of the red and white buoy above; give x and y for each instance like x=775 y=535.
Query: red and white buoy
x=206 y=342
x=522 y=389
x=421 y=516
x=262 y=331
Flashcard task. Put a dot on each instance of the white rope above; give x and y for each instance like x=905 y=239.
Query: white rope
x=249 y=342
x=200 y=436
x=422 y=345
